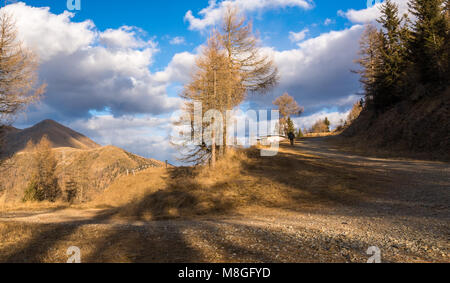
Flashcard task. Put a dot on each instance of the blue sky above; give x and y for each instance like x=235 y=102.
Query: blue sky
x=114 y=69
x=165 y=21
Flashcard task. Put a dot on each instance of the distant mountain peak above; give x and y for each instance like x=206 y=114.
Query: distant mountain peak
x=48 y=122
x=58 y=134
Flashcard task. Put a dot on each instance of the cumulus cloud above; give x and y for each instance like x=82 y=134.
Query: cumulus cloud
x=50 y=34
x=212 y=14
x=146 y=136
x=298 y=36
x=125 y=37
x=179 y=68
x=86 y=69
x=318 y=72
x=371 y=13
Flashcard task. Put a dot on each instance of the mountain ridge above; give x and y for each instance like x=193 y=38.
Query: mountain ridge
x=84 y=168
x=58 y=134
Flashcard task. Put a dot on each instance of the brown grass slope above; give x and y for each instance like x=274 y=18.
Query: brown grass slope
x=59 y=136
x=241 y=182
x=311 y=203
x=89 y=167
x=92 y=171
x=419 y=128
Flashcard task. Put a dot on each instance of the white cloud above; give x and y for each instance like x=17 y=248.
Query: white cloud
x=50 y=34
x=179 y=69
x=91 y=70
x=125 y=37
x=87 y=69
x=178 y=40
x=146 y=136
x=298 y=36
x=372 y=13
x=212 y=14
x=318 y=72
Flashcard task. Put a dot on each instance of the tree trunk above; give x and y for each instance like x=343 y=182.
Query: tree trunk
x=213 y=147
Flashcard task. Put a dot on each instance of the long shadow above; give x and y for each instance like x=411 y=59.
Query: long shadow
x=166 y=245
x=371 y=192
x=182 y=196
x=159 y=241
x=43 y=241
x=280 y=246
x=323 y=147
x=173 y=246
x=166 y=240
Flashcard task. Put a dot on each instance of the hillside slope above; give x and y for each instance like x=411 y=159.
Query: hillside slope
x=421 y=128
x=90 y=172
x=59 y=136
x=84 y=168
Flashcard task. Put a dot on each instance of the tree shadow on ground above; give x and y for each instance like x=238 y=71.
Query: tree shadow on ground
x=309 y=180
x=315 y=179
x=166 y=244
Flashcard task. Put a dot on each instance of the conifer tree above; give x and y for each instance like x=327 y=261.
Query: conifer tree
x=290 y=126
x=18 y=76
x=300 y=133
x=327 y=123
x=210 y=85
x=430 y=40
x=391 y=75
x=370 y=62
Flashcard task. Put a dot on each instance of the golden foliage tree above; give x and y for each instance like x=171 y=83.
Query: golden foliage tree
x=256 y=70
x=210 y=84
x=44 y=183
x=230 y=66
x=321 y=126
x=287 y=106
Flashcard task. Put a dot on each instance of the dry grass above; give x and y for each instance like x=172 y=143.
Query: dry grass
x=91 y=170
x=419 y=129
x=217 y=209
x=242 y=181
x=31 y=206
x=25 y=243
x=128 y=189
x=319 y=135
x=184 y=192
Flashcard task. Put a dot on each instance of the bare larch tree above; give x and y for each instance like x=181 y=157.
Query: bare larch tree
x=257 y=71
x=18 y=73
x=287 y=107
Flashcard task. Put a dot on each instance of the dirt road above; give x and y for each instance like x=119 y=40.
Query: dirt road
x=402 y=209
